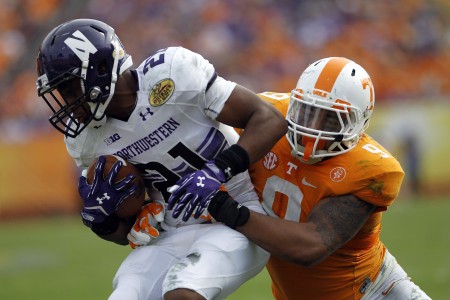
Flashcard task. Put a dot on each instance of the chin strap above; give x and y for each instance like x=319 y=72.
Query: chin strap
x=309 y=161
x=310 y=146
x=99 y=109
x=126 y=64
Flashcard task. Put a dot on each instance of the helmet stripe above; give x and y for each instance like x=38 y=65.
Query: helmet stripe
x=330 y=73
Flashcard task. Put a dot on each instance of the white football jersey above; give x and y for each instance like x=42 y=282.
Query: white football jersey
x=172 y=130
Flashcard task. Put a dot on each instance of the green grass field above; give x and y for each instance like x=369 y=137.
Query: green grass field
x=58 y=258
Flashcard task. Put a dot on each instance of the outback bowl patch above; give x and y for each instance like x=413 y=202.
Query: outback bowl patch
x=161 y=92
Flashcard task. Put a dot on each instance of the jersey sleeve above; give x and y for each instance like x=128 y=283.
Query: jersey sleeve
x=217 y=95
x=279 y=100
x=382 y=190
x=78 y=148
x=196 y=78
x=85 y=147
x=382 y=181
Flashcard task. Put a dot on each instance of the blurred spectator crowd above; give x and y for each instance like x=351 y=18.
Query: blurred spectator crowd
x=262 y=44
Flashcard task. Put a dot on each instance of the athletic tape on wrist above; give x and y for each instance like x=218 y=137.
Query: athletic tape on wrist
x=232 y=161
x=225 y=209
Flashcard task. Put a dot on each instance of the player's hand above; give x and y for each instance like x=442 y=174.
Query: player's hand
x=104 y=195
x=144 y=229
x=195 y=190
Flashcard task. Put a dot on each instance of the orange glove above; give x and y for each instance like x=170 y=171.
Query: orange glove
x=144 y=229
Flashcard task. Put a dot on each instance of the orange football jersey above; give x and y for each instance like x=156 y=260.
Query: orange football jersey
x=289 y=189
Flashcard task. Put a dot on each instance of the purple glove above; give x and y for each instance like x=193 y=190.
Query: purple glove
x=195 y=191
x=104 y=195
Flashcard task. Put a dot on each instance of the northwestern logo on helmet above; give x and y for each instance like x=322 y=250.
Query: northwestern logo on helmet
x=81 y=46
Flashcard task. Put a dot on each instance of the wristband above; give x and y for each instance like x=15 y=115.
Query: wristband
x=228 y=211
x=232 y=161
x=109 y=225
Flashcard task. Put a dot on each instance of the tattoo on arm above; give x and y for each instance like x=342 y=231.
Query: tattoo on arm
x=339 y=218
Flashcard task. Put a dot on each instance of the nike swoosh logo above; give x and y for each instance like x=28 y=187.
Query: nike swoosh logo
x=304 y=182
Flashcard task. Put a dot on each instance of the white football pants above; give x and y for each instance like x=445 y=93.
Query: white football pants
x=211 y=259
x=393 y=283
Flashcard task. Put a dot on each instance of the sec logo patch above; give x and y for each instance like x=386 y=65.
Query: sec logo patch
x=270 y=161
x=161 y=92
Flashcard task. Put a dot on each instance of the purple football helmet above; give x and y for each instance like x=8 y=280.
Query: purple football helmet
x=78 y=64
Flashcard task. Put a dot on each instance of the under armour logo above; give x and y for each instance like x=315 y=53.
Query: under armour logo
x=104 y=198
x=227 y=172
x=200 y=181
x=146 y=113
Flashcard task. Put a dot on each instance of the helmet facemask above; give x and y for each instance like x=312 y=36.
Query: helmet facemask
x=317 y=130
x=64 y=95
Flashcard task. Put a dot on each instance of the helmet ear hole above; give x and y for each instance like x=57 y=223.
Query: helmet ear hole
x=102 y=68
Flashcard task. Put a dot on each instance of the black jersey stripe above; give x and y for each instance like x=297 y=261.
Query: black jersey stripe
x=211 y=81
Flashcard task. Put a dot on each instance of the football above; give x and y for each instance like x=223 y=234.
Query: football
x=133 y=203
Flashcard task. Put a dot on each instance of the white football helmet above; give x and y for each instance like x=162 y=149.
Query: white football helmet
x=329 y=109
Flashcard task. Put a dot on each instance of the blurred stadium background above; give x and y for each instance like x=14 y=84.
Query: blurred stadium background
x=262 y=44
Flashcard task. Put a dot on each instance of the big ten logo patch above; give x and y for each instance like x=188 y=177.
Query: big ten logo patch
x=161 y=92
x=113 y=138
x=338 y=174
x=270 y=161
